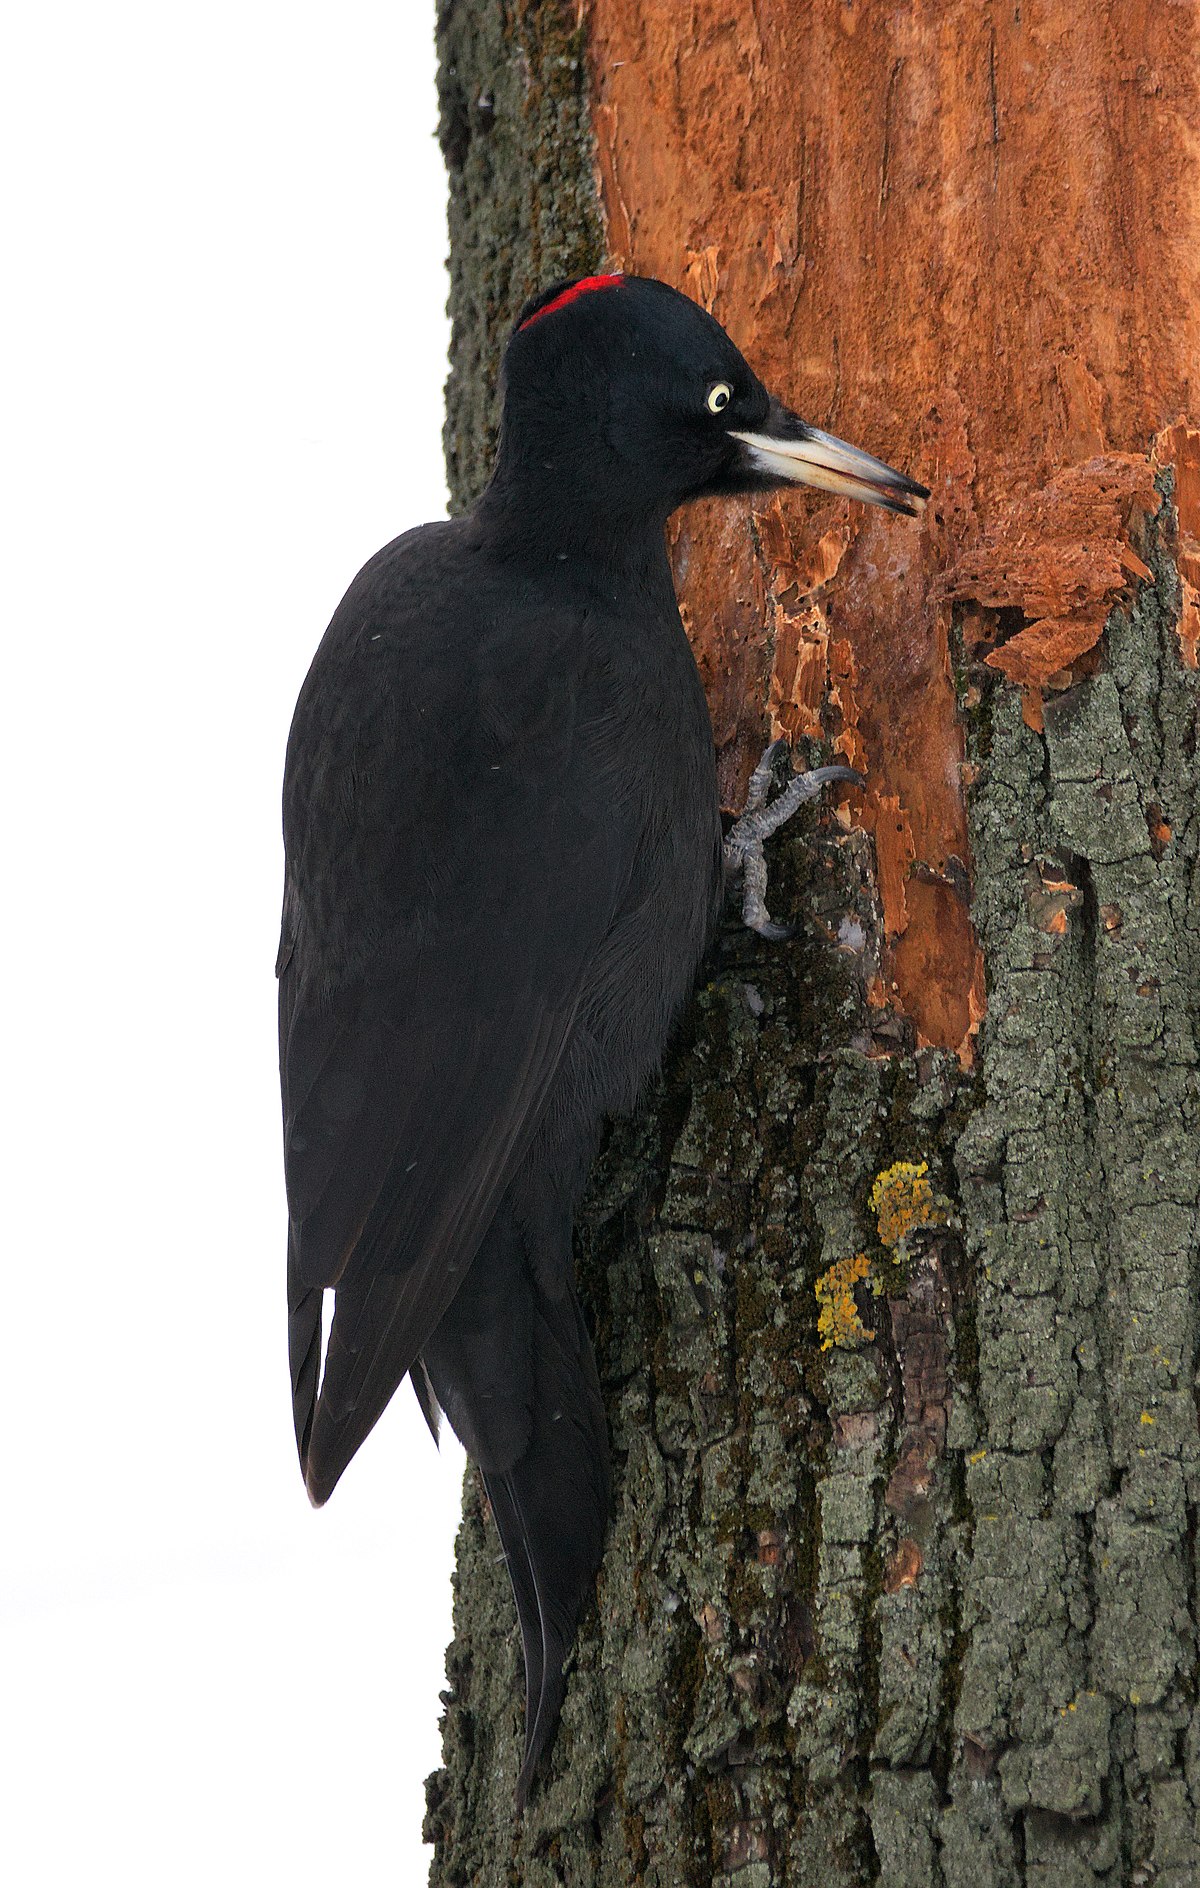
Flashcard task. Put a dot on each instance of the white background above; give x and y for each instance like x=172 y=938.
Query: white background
x=223 y=248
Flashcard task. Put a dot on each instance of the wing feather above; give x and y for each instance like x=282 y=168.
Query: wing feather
x=444 y=900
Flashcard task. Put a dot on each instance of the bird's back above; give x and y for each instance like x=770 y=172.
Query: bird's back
x=502 y=842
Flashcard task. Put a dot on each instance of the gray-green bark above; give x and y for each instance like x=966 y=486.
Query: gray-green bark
x=925 y=1610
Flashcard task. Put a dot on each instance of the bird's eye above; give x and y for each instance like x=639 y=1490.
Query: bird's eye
x=719 y=396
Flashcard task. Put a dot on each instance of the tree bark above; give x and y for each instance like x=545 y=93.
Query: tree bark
x=902 y=1577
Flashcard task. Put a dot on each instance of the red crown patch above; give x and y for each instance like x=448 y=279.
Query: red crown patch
x=587 y=286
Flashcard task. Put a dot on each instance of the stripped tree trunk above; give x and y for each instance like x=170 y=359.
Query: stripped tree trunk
x=902 y=1579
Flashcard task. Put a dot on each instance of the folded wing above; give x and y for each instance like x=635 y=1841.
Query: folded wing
x=445 y=896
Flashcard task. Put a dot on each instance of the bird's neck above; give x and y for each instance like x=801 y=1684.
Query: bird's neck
x=538 y=519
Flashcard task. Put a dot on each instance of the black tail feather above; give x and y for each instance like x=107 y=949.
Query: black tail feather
x=304 y=1355
x=512 y=1367
x=551 y=1510
x=431 y=1409
x=507 y=1516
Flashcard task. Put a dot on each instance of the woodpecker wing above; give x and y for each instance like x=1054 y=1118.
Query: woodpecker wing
x=451 y=873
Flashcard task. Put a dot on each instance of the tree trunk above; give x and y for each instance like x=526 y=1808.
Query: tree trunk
x=902 y=1578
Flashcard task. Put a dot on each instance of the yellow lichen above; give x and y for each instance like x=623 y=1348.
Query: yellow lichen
x=903 y=1201
x=838 y=1322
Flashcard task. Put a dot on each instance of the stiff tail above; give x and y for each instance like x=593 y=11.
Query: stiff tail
x=551 y=1510
x=512 y=1367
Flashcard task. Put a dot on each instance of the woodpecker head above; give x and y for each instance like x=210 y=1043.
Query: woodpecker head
x=620 y=391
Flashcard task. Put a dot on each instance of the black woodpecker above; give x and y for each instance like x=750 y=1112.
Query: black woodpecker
x=503 y=861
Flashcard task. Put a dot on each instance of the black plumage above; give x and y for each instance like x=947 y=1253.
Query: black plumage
x=503 y=860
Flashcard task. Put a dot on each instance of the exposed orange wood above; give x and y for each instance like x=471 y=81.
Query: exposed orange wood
x=799 y=673
x=1061 y=549
x=1034 y=655
x=904 y=1567
x=922 y=225
x=1179 y=446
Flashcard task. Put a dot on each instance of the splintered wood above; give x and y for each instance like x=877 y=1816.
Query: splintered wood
x=1179 y=447
x=1061 y=557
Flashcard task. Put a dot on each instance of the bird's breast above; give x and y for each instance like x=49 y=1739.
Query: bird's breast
x=651 y=756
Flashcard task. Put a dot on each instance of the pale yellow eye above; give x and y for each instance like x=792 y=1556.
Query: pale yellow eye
x=719 y=396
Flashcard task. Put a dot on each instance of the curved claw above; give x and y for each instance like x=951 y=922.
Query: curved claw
x=821 y=776
x=774 y=933
x=760 y=779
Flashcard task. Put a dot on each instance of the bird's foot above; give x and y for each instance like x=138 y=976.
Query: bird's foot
x=744 y=840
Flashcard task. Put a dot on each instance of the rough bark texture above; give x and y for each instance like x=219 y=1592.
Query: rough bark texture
x=921 y=1605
